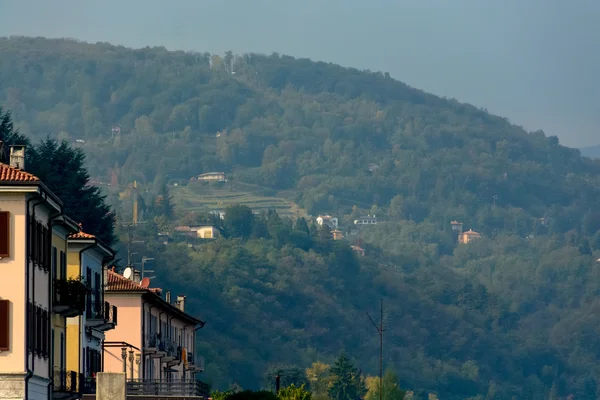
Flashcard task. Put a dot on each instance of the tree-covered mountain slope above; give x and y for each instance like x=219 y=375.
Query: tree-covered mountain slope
x=511 y=315
x=286 y=123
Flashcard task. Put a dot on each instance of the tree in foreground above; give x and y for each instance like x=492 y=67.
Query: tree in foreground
x=319 y=378
x=293 y=392
x=346 y=382
x=391 y=388
x=62 y=169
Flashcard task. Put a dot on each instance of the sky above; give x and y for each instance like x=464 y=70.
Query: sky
x=535 y=62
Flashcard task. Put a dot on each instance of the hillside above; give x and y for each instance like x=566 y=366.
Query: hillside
x=592 y=152
x=510 y=315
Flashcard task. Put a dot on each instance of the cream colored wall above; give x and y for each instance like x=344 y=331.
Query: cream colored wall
x=12 y=285
x=128 y=329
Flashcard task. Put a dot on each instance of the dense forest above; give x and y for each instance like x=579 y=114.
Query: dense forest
x=512 y=315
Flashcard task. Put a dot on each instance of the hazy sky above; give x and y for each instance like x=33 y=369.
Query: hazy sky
x=536 y=62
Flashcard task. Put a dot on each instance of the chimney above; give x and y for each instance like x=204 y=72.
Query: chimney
x=17 y=156
x=136 y=276
x=181 y=303
x=168 y=297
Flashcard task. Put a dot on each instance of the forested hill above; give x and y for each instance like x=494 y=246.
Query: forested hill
x=512 y=315
x=284 y=123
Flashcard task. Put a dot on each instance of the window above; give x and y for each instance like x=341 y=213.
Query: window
x=4 y=325
x=39 y=331
x=63 y=265
x=4 y=234
x=54 y=262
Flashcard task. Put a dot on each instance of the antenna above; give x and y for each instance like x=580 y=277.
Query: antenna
x=380 y=330
x=145 y=283
x=127 y=273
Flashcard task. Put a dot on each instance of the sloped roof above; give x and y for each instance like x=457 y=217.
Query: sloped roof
x=118 y=283
x=11 y=174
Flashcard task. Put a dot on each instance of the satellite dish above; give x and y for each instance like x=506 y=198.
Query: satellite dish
x=145 y=283
x=127 y=273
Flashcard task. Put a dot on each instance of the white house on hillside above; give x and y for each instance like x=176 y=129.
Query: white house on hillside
x=328 y=220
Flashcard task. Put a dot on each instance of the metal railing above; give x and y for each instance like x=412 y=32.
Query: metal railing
x=69 y=297
x=154 y=340
x=165 y=387
x=66 y=381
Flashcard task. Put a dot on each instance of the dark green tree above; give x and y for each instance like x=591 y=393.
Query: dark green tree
x=301 y=226
x=9 y=136
x=347 y=382
x=62 y=169
x=239 y=221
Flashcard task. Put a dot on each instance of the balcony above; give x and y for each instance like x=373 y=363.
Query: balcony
x=173 y=356
x=178 y=388
x=155 y=346
x=167 y=388
x=194 y=364
x=103 y=320
x=69 y=297
x=66 y=385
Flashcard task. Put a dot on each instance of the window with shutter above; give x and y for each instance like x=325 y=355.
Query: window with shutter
x=54 y=262
x=4 y=325
x=32 y=236
x=4 y=234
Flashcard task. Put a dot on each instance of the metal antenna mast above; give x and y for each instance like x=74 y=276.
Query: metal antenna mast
x=380 y=330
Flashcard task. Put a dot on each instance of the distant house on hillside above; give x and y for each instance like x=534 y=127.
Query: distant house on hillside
x=212 y=176
x=198 y=231
x=337 y=234
x=331 y=222
x=358 y=250
x=467 y=237
x=366 y=220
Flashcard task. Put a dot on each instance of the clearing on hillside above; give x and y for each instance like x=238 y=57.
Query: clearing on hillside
x=216 y=196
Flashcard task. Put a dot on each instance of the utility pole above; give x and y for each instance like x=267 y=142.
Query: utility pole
x=380 y=330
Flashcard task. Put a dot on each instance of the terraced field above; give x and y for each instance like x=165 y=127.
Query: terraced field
x=204 y=196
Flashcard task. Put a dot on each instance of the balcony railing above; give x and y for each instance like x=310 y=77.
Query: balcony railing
x=69 y=297
x=194 y=364
x=163 y=387
x=106 y=319
x=157 y=387
x=66 y=383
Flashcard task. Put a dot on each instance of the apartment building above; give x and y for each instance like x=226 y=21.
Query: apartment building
x=87 y=257
x=27 y=212
x=155 y=340
x=68 y=301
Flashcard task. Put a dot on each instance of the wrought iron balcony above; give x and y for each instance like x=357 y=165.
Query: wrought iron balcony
x=66 y=384
x=155 y=345
x=167 y=388
x=105 y=320
x=69 y=297
x=194 y=364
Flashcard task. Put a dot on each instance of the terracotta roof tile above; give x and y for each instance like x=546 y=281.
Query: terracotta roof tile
x=81 y=234
x=11 y=174
x=118 y=283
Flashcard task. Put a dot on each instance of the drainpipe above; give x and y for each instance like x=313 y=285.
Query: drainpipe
x=29 y=372
x=105 y=263
x=81 y=367
x=143 y=337
x=160 y=370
